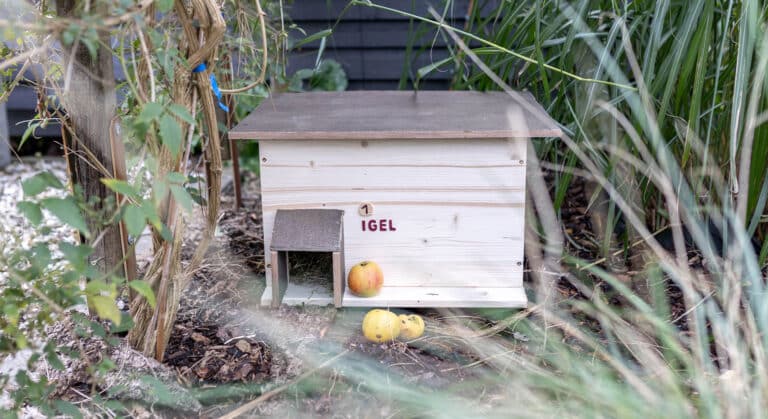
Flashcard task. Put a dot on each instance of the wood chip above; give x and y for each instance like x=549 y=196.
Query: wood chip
x=243 y=346
x=199 y=338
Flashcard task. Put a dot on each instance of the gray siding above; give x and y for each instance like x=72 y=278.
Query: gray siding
x=370 y=44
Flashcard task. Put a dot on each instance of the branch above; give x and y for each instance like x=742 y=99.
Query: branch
x=26 y=55
x=264 y=55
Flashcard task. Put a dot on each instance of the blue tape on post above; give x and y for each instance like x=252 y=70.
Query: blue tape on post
x=214 y=86
x=199 y=69
x=217 y=93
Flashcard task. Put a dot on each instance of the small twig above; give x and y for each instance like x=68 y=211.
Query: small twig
x=125 y=17
x=620 y=251
x=190 y=133
x=690 y=310
x=480 y=361
x=16 y=80
x=148 y=59
x=264 y=55
x=277 y=390
x=230 y=340
x=25 y=55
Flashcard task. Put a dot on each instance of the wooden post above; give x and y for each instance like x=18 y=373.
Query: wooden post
x=235 y=153
x=338 y=278
x=280 y=272
x=5 y=141
x=90 y=101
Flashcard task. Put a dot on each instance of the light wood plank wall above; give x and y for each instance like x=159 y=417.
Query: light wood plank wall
x=457 y=205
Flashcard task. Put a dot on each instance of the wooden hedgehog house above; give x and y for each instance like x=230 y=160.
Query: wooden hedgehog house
x=429 y=185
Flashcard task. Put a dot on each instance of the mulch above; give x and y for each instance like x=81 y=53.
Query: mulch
x=208 y=353
x=213 y=342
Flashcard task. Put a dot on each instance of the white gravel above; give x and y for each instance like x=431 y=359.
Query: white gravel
x=16 y=232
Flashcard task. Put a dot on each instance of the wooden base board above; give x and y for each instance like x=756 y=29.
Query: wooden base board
x=296 y=295
x=409 y=297
x=441 y=297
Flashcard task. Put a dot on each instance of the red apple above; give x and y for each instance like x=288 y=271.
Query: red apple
x=365 y=279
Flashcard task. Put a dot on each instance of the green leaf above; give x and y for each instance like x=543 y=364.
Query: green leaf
x=77 y=255
x=41 y=255
x=105 y=307
x=170 y=131
x=314 y=37
x=159 y=191
x=164 y=6
x=120 y=186
x=427 y=69
x=67 y=409
x=150 y=112
x=135 y=220
x=101 y=287
x=66 y=210
x=126 y=324
x=28 y=133
x=143 y=288
x=38 y=183
x=182 y=113
x=32 y=211
x=165 y=232
x=182 y=197
x=54 y=360
x=176 y=177
x=329 y=77
x=11 y=312
x=149 y=212
x=92 y=45
x=68 y=35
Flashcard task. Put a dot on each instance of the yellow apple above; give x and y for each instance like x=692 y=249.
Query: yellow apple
x=381 y=326
x=411 y=326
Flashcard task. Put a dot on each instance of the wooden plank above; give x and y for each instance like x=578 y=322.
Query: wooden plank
x=479 y=153
x=437 y=246
x=387 y=177
x=395 y=115
x=299 y=294
x=439 y=226
x=300 y=197
x=512 y=297
x=307 y=230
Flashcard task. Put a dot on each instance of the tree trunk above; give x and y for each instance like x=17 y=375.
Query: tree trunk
x=90 y=102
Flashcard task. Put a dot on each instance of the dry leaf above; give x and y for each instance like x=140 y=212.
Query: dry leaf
x=199 y=338
x=243 y=346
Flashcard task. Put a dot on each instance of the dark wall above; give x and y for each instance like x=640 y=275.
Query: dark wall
x=370 y=44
